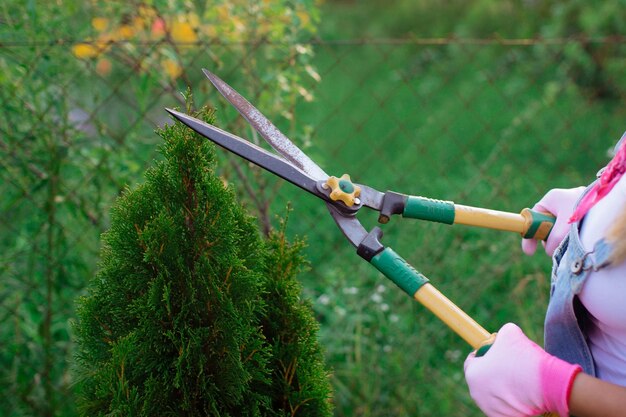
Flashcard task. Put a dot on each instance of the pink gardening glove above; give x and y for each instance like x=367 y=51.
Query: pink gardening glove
x=560 y=203
x=518 y=378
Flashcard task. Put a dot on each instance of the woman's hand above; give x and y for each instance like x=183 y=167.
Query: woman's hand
x=560 y=203
x=518 y=378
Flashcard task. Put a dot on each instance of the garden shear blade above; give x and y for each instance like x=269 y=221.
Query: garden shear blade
x=529 y=223
x=343 y=199
x=267 y=130
x=351 y=227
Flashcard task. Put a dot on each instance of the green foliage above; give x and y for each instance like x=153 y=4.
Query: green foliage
x=300 y=384
x=595 y=67
x=436 y=19
x=77 y=126
x=41 y=272
x=478 y=18
x=191 y=312
x=587 y=60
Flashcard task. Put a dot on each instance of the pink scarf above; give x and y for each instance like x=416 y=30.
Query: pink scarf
x=610 y=176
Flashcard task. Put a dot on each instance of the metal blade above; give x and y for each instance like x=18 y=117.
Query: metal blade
x=266 y=129
x=371 y=197
x=352 y=229
x=251 y=152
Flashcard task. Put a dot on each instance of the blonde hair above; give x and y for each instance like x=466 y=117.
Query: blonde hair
x=617 y=236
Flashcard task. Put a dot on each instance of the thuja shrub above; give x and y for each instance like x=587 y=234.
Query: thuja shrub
x=300 y=384
x=192 y=312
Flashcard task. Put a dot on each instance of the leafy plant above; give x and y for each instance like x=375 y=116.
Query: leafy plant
x=191 y=312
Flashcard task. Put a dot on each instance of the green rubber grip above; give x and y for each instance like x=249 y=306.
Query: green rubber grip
x=540 y=224
x=394 y=267
x=482 y=350
x=428 y=209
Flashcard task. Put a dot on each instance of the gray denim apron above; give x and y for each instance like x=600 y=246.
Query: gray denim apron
x=566 y=318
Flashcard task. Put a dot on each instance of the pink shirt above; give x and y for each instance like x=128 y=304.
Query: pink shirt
x=604 y=292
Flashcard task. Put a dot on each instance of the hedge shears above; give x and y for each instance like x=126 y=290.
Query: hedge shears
x=345 y=198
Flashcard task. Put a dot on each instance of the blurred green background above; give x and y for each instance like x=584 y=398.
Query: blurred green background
x=486 y=103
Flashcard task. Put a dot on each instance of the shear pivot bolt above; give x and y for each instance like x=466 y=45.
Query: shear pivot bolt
x=342 y=189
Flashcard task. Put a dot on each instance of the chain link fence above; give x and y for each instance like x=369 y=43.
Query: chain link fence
x=492 y=123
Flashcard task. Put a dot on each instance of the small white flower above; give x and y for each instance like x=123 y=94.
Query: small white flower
x=394 y=318
x=387 y=348
x=453 y=355
x=381 y=288
x=323 y=299
x=384 y=307
x=377 y=298
x=341 y=312
x=351 y=290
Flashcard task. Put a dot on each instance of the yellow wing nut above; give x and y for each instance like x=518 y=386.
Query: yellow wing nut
x=344 y=190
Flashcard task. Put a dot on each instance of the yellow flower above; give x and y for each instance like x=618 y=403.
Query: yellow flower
x=85 y=50
x=99 y=23
x=172 y=68
x=124 y=32
x=139 y=23
x=183 y=32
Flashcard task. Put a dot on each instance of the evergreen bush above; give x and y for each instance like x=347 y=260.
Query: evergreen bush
x=192 y=313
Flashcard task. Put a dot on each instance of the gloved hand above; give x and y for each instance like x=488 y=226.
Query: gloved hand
x=560 y=203
x=518 y=378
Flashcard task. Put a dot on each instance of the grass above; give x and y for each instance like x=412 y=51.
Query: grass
x=483 y=126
